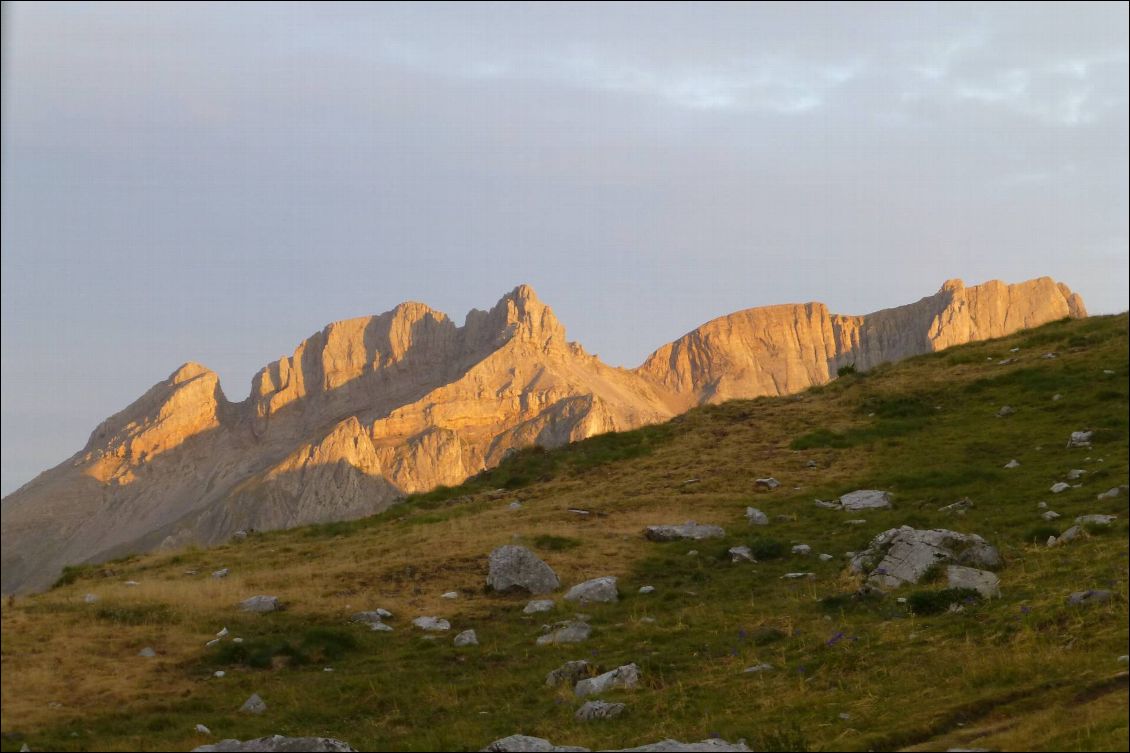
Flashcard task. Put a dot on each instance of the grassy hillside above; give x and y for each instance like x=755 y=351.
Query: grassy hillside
x=1026 y=671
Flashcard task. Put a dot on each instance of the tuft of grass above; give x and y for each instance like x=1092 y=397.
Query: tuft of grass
x=553 y=543
x=936 y=602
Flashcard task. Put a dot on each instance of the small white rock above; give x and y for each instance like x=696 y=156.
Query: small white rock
x=218 y=673
x=450 y=595
x=647 y=589
x=203 y=730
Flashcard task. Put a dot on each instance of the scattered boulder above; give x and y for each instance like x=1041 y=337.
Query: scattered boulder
x=516 y=567
x=982 y=581
x=538 y=605
x=1075 y=474
x=527 y=744
x=202 y=729
x=1060 y=486
x=855 y=522
x=254 y=705
x=626 y=676
x=802 y=549
x=147 y=652
x=1014 y=463
x=1112 y=493
x=757 y=669
x=710 y=745
x=1086 y=598
x=1050 y=515
x=865 y=499
x=515 y=505
x=647 y=589
x=570 y=631
x=797 y=576
x=450 y=595
x=741 y=554
x=811 y=464
x=768 y=484
x=435 y=624
x=466 y=638
x=372 y=619
x=826 y=558
x=568 y=673
x=278 y=744
x=903 y=555
x=689 y=530
x=1006 y=410
x=1080 y=439
x=959 y=506
x=90 y=598
x=602 y=590
x=221 y=573
x=1095 y=520
x=596 y=710
x=261 y=604
x=1066 y=537
x=756 y=517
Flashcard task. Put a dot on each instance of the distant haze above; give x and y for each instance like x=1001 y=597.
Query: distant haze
x=216 y=183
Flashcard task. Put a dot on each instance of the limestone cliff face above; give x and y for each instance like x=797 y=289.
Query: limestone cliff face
x=370 y=409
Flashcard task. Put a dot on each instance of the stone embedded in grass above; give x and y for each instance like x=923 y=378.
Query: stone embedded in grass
x=982 y=581
x=756 y=517
x=1085 y=598
x=515 y=505
x=768 y=484
x=595 y=710
x=90 y=598
x=528 y=744
x=570 y=631
x=811 y=464
x=626 y=677
x=450 y=595
x=1014 y=463
x=466 y=638
x=1067 y=536
x=802 y=549
x=568 y=673
x=1005 y=411
x=221 y=573
x=741 y=554
x=1112 y=493
x=219 y=674
x=278 y=744
x=1050 y=515
x=373 y=620
x=431 y=623
x=855 y=522
x=647 y=589
x=598 y=590
x=147 y=652
x=710 y=745
x=904 y=555
x=538 y=605
x=254 y=705
x=1080 y=439
x=261 y=604
x=826 y=557
x=132 y=583
x=1075 y=474
x=203 y=730
x=1060 y=486
x=1095 y=520
x=689 y=530
x=959 y=506
x=757 y=669
x=516 y=567
x=797 y=576
x=865 y=499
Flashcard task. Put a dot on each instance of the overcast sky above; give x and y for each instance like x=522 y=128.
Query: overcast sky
x=217 y=182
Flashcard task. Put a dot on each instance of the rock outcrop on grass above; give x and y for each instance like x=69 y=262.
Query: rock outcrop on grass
x=601 y=590
x=570 y=631
x=569 y=673
x=899 y=556
x=689 y=530
x=278 y=744
x=514 y=567
x=591 y=711
x=626 y=676
x=261 y=604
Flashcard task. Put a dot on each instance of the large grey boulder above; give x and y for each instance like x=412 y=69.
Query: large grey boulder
x=1096 y=596
x=261 y=604
x=598 y=590
x=374 y=620
x=627 y=676
x=769 y=484
x=568 y=673
x=710 y=745
x=432 y=623
x=592 y=711
x=573 y=631
x=756 y=517
x=689 y=530
x=516 y=567
x=279 y=744
x=982 y=581
x=466 y=638
x=903 y=555
x=527 y=744
x=1096 y=520
x=538 y=605
x=1080 y=439
x=865 y=499
x=254 y=705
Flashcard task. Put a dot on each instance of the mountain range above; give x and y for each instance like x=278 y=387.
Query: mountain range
x=370 y=409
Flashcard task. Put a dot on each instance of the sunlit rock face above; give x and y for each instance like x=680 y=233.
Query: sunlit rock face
x=373 y=408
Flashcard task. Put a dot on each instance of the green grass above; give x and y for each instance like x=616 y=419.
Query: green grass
x=1024 y=671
